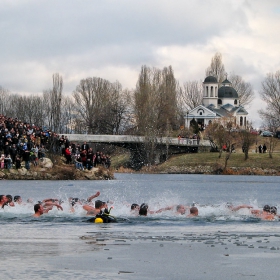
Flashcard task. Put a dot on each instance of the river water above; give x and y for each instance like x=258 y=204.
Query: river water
x=59 y=244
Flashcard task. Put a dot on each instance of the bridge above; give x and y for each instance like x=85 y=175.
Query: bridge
x=112 y=139
x=139 y=146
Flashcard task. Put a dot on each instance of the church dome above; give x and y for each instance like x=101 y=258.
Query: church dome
x=226 y=82
x=227 y=92
x=210 y=79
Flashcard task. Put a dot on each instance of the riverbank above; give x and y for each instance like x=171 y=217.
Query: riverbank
x=208 y=163
x=45 y=170
x=197 y=163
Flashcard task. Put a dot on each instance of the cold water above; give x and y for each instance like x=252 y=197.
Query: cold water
x=25 y=240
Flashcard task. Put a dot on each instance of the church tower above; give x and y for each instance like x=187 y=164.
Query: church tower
x=210 y=92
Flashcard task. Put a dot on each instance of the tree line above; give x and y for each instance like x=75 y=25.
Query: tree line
x=155 y=107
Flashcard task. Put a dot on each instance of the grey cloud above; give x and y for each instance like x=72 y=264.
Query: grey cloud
x=57 y=28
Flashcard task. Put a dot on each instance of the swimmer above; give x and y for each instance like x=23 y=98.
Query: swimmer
x=193 y=212
x=74 y=200
x=181 y=209
x=10 y=200
x=143 y=210
x=49 y=203
x=238 y=207
x=273 y=210
x=17 y=199
x=134 y=209
x=3 y=200
x=163 y=209
x=134 y=206
x=264 y=214
x=40 y=210
x=98 y=206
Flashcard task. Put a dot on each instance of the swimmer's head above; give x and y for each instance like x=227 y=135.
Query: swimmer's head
x=10 y=198
x=134 y=206
x=98 y=204
x=74 y=201
x=229 y=205
x=38 y=208
x=16 y=198
x=144 y=205
x=181 y=209
x=143 y=211
x=266 y=208
x=194 y=211
x=273 y=210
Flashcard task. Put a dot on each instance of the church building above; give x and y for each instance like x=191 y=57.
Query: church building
x=217 y=102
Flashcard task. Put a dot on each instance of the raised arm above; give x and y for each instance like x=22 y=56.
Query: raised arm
x=93 y=196
x=236 y=208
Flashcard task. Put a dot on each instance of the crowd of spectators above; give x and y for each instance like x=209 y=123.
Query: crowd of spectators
x=83 y=155
x=24 y=142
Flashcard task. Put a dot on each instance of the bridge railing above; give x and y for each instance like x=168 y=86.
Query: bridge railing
x=92 y=138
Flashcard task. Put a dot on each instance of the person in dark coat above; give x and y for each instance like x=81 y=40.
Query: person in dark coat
x=26 y=159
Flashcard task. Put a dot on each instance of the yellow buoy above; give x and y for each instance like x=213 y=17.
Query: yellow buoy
x=98 y=220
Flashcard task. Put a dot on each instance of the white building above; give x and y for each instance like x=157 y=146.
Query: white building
x=217 y=102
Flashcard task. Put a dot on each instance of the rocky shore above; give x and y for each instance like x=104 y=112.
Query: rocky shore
x=214 y=170
x=46 y=171
x=205 y=169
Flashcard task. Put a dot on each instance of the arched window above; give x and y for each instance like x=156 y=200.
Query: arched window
x=241 y=121
x=207 y=91
x=220 y=102
x=235 y=102
x=200 y=112
x=211 y=93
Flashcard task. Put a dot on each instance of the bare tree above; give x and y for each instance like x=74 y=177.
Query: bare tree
x=244 y=90
x=47 y=108
x=52 y=99
x=222 y=132
x=272 y=142
x=216 y=68
x=191 y=94
x=247 y=139
x=16 y=106
x=155 y=108
x=4 y=97
x=38 y=116
x=56 y=98
x=156 y=96
x=270 y=94
x=100 y=105
x=67 y=115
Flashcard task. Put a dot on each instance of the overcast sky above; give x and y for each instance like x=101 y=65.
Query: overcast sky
x=113 y=39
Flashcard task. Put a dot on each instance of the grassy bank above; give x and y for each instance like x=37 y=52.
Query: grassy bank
x=237 y=160
x=255 y=160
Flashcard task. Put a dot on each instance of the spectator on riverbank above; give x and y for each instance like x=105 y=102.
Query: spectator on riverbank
x=17 y=137
x=67 y=155
x=26 y=159
x=8 y=162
